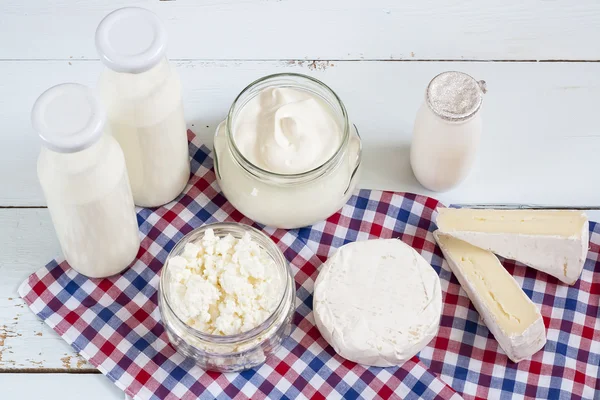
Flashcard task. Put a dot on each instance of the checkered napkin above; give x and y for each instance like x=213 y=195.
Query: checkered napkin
x=115 y=324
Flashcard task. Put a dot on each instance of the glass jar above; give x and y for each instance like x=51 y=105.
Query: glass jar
x=83 y=176
x=235 y=352
x=288 y=200
x=447 y=131
x=142 y=94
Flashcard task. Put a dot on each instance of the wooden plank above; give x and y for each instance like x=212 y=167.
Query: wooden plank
x=58 y=386
x=26 y=343
x=539 y=143
x=314 y=29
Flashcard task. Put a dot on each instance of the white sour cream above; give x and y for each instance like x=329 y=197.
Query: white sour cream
x=286 y=131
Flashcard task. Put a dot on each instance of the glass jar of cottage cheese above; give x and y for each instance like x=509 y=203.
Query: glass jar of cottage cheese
x=217 y=352
x=286 y=155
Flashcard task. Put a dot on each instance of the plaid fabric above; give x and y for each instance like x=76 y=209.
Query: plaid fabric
x=115 y=324
x=464 y=354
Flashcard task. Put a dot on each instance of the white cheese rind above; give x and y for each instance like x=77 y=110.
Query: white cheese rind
x=377 y=302
x=516 y=346
x=560 y=256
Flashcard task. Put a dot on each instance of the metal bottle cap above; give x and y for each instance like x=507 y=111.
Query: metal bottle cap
x=455 y=96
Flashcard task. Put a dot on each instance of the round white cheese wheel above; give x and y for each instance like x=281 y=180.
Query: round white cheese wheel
x=377 y=302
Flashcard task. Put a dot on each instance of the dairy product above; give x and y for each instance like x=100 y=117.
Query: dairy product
x=287 y=131
x=83 y=176
x=287 y=123
x=447 y=131
x=377 y=302
x=142 y=94
x=510 y=315
x=555 y=242
x=224 y=285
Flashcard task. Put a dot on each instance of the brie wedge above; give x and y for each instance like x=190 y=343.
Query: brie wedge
x=377 y=302
x=509 y=314
x=554 y=242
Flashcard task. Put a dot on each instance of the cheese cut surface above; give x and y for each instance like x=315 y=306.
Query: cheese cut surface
x=514 y=320
x=555 y=242
x=377 y=302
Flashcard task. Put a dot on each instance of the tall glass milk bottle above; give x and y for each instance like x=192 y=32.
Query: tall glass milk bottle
x=83 y=176
x=142 y=93
x=447 y=131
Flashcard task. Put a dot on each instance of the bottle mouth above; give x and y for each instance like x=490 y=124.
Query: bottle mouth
x=237 y=230
x=455 y=96
x=296 y=81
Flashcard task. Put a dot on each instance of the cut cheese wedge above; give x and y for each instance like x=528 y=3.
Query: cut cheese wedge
x=555 y=242
x=511 y=316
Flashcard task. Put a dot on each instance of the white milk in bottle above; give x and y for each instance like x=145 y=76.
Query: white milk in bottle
x=82 y=173
x=142 y=93
x=447 y=131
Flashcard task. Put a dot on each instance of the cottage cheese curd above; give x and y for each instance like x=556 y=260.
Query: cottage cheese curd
x=224 y=285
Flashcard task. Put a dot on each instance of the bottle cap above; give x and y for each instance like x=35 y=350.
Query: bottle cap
x=455 y=96
x=131 y=39
x=68 y=118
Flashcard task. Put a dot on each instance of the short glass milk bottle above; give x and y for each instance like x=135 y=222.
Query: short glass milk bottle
x=447 y=131
x=83 y=176
x=142 y=93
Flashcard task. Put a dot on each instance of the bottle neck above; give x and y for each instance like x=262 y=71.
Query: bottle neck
x=76 y=162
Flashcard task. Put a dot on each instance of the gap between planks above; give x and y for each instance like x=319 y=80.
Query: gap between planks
x=72 y=371
x=288 y=60
x=22 y=207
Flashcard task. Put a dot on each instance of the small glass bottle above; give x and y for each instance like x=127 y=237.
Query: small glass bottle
x=447 y=131
x=142 y=93
x=83 y=176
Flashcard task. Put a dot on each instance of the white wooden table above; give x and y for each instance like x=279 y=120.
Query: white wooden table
x=541 y=141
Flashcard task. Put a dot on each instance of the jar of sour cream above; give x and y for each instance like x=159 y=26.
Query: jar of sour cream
x=286 y=155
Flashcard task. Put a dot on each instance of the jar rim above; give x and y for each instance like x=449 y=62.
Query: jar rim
x=258 y=171
x=268 y=245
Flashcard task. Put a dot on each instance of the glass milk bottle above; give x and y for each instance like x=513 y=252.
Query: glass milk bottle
x=447 y=130
x=83 y=176
x=142 y=93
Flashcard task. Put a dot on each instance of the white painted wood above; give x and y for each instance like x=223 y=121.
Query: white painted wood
x=317 y=29
x=28 y=242
x=58 y=386
x=540 y=141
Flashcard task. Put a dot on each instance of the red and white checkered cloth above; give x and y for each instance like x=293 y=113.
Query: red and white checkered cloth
x=115 y=323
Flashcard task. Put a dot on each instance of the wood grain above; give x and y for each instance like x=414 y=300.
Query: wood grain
x=28 y=386
x=539 y=145
x=26 y=343
x=316 y=29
